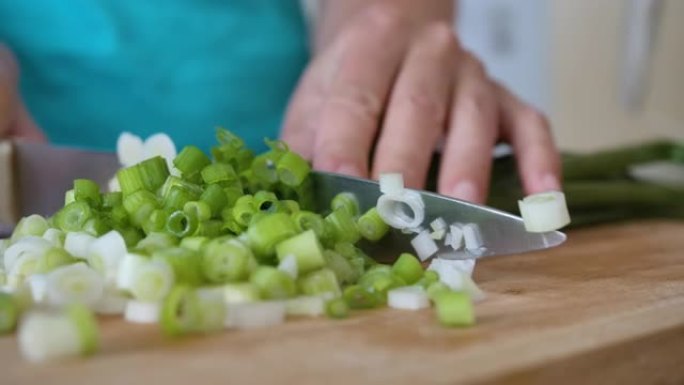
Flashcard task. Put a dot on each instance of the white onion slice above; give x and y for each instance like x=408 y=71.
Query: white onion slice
x=76 y=283
x=472 y=236
x=391 y=183
x=129 y=149
x=78 y=244
x=424 y=245
x=402 y=211
x=45 y=336
x=151 y=281
x=544 y=212
x=142 y=312
x=289 y=265
x=255 y=315
x=311 y=306
x=408 y=298
x=106 y=253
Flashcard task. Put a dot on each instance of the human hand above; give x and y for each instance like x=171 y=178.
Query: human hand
x=388 y=88
x=15 y=121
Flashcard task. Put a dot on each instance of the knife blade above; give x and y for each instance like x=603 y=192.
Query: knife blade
x=42 y=173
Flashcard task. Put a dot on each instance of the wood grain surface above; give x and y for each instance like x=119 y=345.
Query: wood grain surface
x=607 y=307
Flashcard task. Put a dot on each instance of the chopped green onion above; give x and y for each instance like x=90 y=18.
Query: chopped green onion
x=141 y=312
x=240 y=293
x=226 y=260
x=309 y=306
x=156 y=241
x=306 y=249
x=156 y=222
x=343 y=270
x=454 y=309
x=371 y=226
x=186 y=264
x=112 y=199
x=307 y=220
x=210 y=228
x=181 y=224
x=273 y=283
x=87 y=191
x=320 y=282
x=268 y=232
x=292 y=169
x=191 y=160
x=52 y=235
x=264 y=167
x=429 y=277
x=358 y=297
x=152 y=173
x=265 y=201
x=9 y=313
x=243 y=210
x=73 y=216
x=346 y=201
x=181 y=312
x=435 y=289
x=76 y=283
x=53 y=258
x=69 y=197
x=177 y=197
x=96 y=226
x=337 y=308
x=34 y=225
x=199 y=209
x=151 y=281
x=190 y=192
x=212 y=308
x=342 y=226
x=78 y=244
x=408 y=298
x=219 y=173
x=215 y=197
x=140 y=205
x=255 y=315
x=408 y=267
x=195 y=243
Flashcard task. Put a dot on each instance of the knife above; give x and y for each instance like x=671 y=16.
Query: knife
x=35 y=176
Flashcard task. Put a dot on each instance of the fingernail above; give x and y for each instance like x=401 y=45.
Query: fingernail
x=465 y=190
x=348 y=169
x=549 y=182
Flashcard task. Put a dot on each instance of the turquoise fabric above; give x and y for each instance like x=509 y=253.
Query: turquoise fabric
x=94 y=68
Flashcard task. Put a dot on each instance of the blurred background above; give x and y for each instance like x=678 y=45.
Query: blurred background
x=606 y=72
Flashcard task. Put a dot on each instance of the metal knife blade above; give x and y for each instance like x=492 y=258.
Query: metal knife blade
x=502 y=233
x=42 y=173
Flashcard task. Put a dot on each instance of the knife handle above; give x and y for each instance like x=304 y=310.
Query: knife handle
x=9 y=209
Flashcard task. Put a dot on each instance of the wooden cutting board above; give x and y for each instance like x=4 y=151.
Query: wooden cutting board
x=605 y=308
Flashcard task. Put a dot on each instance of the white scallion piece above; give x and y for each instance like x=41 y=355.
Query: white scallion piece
x=106 y=253
x=129 y=265
x=472 y=236
x=37 y=283
x=255 y=315
x=234 y=293
x=55 y=237
x=438 y=235
x=310 y=306
x=142 y=312
x=78 y=244
x=22 y=269
x=391 y=183
x=544 y=212
x=113 y=184
x=212 y=307
x=452 y=271
x=469 y=286
x=76 y=283
x=456 y=236
x=438 y=224
x=160 y=144
x=408 y=298
x=47 y=336
x=111 y=303
x=289 y=265
x=27 y=245
x=424 y=245
x=129 y=149
x=151 y=281
x=402 y=211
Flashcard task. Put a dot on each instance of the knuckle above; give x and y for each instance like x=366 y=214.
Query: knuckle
x=439 y=36
x=383 y=17
x=478 y=102
x=356 y=100
x=424 y=104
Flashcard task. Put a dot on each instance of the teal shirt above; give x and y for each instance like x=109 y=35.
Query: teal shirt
x=94 y=68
